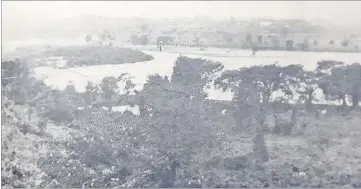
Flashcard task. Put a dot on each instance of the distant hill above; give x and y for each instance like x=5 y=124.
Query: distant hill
x=185 y=31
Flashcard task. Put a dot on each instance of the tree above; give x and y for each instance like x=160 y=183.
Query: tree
x=331 y=42
x=227 y=38
x=315 y=42
x=144 y=27
x=260 y=147
x=165 y=40
x=345 y=43
x=109 y=89
x=260 y=39
x=253 y=88
x=250 y=114
x=196 y=41
x=88 y=38
x=56 y=105
x=353 y=79
x=248 y=40
x=12 y=71
x=333 y=87
x=264 y=80
x=305 y=46
x=90 y=94
x=342 y=81
x=327 y=65
x=191 y=75
x=289 y=45
x=306 y=86
x=73 y=95
x=144 y=40
x=173 y=113
x=134 y=40
x=16 y=80
x=275 y=42
x=173 y=120
x=106 y=38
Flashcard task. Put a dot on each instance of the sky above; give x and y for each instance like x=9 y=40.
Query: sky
x=336 y=12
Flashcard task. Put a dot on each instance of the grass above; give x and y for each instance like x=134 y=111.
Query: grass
x=330 y=141
x=77 y=56
x=327 y=147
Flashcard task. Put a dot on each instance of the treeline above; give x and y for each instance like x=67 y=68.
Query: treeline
x=260 y=85
x=335 y=79
x=75 y=56
x=176 y=141
x=245 y=40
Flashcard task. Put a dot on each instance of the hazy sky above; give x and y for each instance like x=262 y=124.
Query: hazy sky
x=338 y=12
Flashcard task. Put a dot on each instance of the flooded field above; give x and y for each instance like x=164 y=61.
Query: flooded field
x=163 y=63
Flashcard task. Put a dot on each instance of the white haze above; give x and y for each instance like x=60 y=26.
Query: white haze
x=341 y=12
x=20 y=17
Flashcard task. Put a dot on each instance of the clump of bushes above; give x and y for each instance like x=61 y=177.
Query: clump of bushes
x=97 y=55
x=175 y=140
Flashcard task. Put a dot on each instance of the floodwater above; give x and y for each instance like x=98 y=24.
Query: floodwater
x=163 y=63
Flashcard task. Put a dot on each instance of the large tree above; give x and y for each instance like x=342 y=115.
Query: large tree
x=190 y=76
x=341 y=80
x=174 y=124
x=111 y=93
x=259 y=81
x=289 y=45
x=173 y=109
x=253 y=88
x=306 y=86
x=165 y=40
x=16 y=80
x=106 y=38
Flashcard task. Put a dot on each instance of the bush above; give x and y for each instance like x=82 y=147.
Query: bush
x=97 y=55
x=180 y=139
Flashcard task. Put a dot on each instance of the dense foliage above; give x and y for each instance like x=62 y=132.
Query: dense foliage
x=98 y=55
x=75 y=56
x=180 y=139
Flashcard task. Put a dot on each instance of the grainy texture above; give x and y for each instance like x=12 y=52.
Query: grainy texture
x=137 y=104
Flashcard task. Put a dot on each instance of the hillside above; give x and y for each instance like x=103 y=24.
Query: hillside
x=177 y=138
x=203 y=32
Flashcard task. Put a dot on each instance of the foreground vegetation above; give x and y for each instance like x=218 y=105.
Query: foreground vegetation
x=179 y=139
